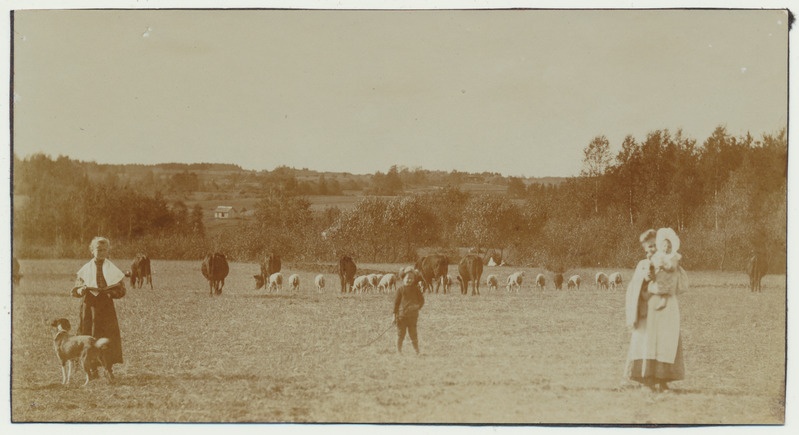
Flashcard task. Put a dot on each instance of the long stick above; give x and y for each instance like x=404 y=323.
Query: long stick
x=381 y=334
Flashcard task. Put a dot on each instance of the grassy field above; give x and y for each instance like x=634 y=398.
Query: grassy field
x=533 y=357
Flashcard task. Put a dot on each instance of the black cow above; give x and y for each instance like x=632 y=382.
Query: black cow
x=756 y=269
x=140 y=271
x=470 y=269
x=558 y=280
x=15 y=273
x=432 y=268
x=346 y=272
x=269 y=265
x=215 y=270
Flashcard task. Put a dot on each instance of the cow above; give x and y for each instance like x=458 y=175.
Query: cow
x=615 y=280
x=515 y=281
x=492 y=282
x=140 y=271
x=215 y=270
x=756 y=269
x=346 y=272
x=558 y=281
x=601 y=281
x=15 y=273
x=470 y=269
x=269 y=266
x=540 y=281
x=433 y=268
x=574 y=282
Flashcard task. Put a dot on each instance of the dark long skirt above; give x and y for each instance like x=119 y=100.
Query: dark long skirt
x=657 y=371
x=98 y=318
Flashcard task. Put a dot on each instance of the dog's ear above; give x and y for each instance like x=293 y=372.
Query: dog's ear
x=61 y=323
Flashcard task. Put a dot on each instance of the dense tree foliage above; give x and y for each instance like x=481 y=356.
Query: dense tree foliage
x=725 y=196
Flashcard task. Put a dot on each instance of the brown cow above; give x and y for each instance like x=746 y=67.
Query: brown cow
x=432 y=268
x=140 y=271
x=346 y=272
x=470 y=270
x=269 y=265
x=756 y=269
x=215 y=270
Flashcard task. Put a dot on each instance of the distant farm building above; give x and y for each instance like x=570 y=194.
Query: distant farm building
x=224 y=212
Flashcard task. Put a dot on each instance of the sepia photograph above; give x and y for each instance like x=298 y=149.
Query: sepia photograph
x=458 y=215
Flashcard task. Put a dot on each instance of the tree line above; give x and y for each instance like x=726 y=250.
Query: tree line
x=726 y=197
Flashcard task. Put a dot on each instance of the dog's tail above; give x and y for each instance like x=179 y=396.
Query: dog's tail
x=102 y=343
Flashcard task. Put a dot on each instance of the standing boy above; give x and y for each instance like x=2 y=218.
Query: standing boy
x=408 y=302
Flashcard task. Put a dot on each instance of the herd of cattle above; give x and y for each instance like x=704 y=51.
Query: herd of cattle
x=431 y=274
x=429 y=271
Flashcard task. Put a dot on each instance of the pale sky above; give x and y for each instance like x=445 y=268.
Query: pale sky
x=515 y=92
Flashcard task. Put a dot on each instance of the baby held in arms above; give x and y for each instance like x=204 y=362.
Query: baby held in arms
x=665 y=267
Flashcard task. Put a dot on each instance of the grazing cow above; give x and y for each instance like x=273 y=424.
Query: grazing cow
x=574 y=282
x=558 y=281
x=361 y=284
x=387 y=283
x=269 y=265
x=346 y=272
x=320 y=282
x=540 y=281
x=615 y=280
x=492 y=281
x=140 y=271
x=601 y=281
x=756 y=269
x=294 y=282
x=275 y=282
x=15 y=273
x=433 y=268
x=515 y=281
x=470 y=269
x=215 y=270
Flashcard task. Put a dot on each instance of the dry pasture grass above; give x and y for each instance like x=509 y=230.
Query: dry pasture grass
x=533 y=357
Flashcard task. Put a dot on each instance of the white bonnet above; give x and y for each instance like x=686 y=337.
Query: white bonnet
x=667 y=234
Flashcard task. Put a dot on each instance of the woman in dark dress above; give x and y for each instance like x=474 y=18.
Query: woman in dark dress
x=99 y=282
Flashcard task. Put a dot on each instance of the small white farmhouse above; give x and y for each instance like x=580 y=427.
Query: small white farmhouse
x=224 y=212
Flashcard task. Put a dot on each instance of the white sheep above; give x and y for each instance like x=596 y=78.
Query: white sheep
x=320 y=282
x=615 y=280
x=601 y=281
x=574 y=282
x=361 y=284
x=540 y=281
x=387 y=283
x=294 y=281
x=492 y=282
x=275 y=282
x=515 y=281
x=374 y=280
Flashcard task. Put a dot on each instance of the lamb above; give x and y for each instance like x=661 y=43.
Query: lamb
x=320 y=282
x=615 y=280
x=541 y=281
x=601 y=281
x=294 y=281
x=515 y=281
x=492 y=282
x=574 y=282
x=387 y=283
x=275 y=282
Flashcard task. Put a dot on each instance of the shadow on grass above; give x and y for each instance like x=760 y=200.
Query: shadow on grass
x=140 y=379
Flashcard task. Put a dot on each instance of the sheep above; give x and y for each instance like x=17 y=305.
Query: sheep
x=387 y=283
x=615 y=280
x=492 y=282
x=574 y=282
x=601 y=281
x=275 y=282
x=294 y=281
x=515 y=281
x=540 y=281
x=558 y=281
x=374 y=280
x=361 y=284
x=320 y=282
